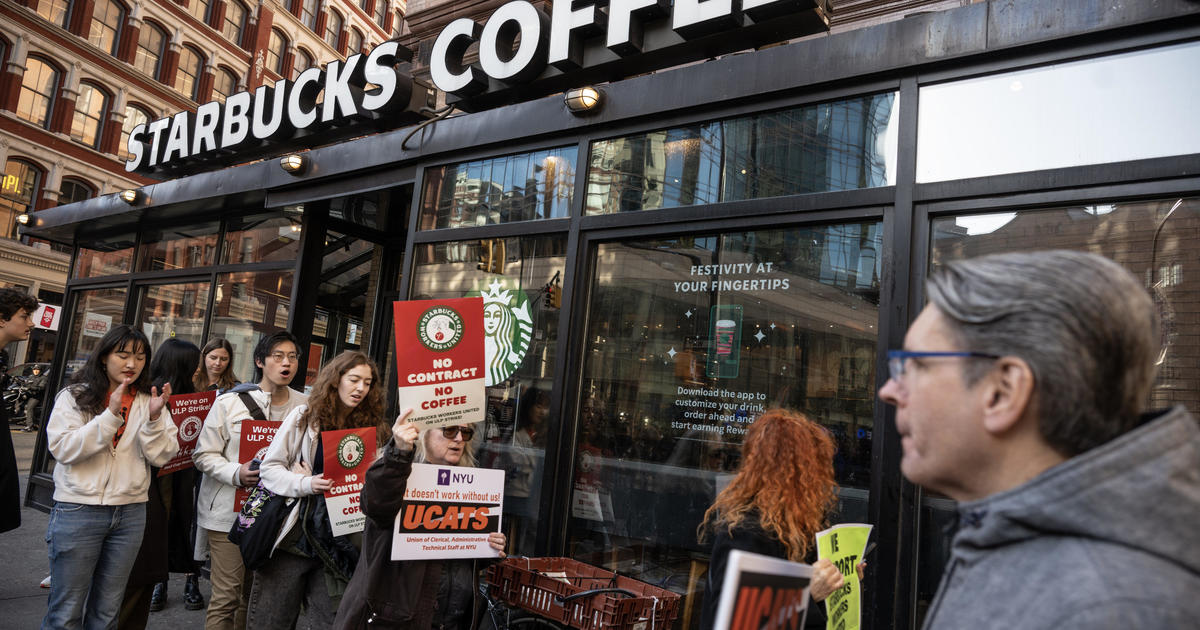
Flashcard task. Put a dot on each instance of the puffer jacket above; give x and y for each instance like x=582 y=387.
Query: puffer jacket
x=216 y=453
x=93 y=472
x=1105 y=540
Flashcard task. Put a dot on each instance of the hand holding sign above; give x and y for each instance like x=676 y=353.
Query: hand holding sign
x=405 y=432
x=320 y=483
x=498 y=541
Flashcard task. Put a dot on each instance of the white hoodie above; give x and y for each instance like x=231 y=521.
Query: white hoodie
x=89 y=469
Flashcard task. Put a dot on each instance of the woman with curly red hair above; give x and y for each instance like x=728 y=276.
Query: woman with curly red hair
x=776 y=504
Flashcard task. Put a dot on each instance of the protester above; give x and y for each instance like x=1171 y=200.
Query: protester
x=775 y=505
x=105 y=431
x=215 y=370
x=16 y=308
x=277 y=358
x=440 y=594
x=166 y=544
x=1020 y=394
x=307 y=557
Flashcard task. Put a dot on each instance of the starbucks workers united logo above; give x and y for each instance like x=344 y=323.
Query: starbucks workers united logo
x=507 y=329
x=350 y=451
x=440 y=328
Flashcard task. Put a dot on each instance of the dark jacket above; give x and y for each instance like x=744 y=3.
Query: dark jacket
x=1107 y=539
x=10 y=480
x=749 y=536
x=401 y=594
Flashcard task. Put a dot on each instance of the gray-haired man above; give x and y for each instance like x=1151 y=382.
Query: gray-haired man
x=1020 y=393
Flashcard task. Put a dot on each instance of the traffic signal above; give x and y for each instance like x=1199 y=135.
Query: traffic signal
x=554 y=296
x=492 y=254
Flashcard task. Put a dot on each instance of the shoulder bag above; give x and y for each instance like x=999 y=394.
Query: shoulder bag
x=257 y=526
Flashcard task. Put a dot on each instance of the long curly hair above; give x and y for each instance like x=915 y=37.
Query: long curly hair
x=786 y=476
x=324 y=403
x=227 y=378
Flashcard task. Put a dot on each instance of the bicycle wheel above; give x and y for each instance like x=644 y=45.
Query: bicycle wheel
x=527 y=622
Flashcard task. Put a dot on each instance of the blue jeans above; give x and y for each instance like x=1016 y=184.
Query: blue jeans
x=92 y=550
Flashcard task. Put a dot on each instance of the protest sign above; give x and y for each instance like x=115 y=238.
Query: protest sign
x=348 y=454
x=440 y=356
x=256 y=437
x=448 y=512
x=844 y=546
x=188 y=412
x=762 y=592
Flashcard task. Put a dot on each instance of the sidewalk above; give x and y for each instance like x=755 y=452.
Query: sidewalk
x=23 y=563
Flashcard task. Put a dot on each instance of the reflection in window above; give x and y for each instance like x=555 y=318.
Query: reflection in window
x=112 y=257
x=354 y=41
x=173 y=311
x=199 y=10
x=188 y=75
x=73 y=190
x=844 y=145
x=1094 y=111
x=275 y=49
x=689 y=338
x=224 y=84
x=262 y=238
x=106 y=25
x=302 y=61
x=134 y=116
x=379 y=12
x=333 y=28
x=345 y=296
x=38 y=87
x=96 y=311
x=55 y=11
x=308 y=14
x=172 y=248
x=151 y=39
x=89 y=115
x=235 y=20
x=17 y=193
x=248 y=306
x=522 y=187
x=376 y=210
x=521 y=333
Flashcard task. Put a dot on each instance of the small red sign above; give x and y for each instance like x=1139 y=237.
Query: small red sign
x=256 y=437
x=188 y=411
x=348 y=454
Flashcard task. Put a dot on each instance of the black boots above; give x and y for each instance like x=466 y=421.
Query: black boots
x=158 y=599
x=192 y=600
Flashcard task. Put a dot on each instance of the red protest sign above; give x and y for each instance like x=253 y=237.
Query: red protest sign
x=348 y=454
x=188 y=412
x=440 y=356
x=256 y=437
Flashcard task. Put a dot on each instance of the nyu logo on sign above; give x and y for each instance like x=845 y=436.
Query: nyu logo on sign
x=443 y=477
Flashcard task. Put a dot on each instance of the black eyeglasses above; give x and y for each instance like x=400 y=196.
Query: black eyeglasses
x=897 y=359
x=450 y=432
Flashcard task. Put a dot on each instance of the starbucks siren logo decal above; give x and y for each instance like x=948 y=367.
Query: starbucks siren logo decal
x=507 y=329
x=440 y=328
x=350 y=451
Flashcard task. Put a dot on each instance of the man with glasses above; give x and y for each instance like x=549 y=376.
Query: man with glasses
x=1020 y=393
x=277 y=359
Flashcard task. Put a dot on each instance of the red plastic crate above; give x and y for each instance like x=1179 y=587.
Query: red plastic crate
x=523 y=583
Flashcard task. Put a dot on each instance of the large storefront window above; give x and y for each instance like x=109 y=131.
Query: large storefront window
x=522 y=187
x=521 y=333
x=249 y=306
x=183 y=247
x=263 y=238
x=96 y=312
x=112 y=257
x=688 y=340
x=1122 y=107
x=173 y=311
x=844 y=145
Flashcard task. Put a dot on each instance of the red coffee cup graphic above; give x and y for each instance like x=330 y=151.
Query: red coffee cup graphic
x=725 y=329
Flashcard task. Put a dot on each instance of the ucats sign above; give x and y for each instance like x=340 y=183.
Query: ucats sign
x=318 y=106
x=188 y=411
x=348 y=454
x=762 y=592
x=448 y=512
x=582 y=42
x=440 y=360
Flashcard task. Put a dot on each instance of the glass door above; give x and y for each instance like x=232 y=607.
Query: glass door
x=173 y=311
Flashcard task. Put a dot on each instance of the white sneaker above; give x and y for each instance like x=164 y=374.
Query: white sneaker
x=45 y=583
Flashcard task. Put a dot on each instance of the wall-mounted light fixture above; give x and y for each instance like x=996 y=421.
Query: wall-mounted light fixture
x=131 y=196
x=294 y=163
x=584 y=100
x=24 y=218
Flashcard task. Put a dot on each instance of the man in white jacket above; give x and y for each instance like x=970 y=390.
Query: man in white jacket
x=277 y=359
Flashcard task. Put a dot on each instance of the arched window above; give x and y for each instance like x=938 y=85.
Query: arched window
x=107 y=17
x=149 y=54
x=308 y=14
x=90 y=107
x=333 y=28
x=224 y=84
x=187 y=78
x=275 y=48
x=380 y=12
x=55 y=11
x=354 y=41
x=134 y=116
x=199 y=9
x=235 y=21
x=303 y=62
x=38 y=87
x=18 y=191
x=72 y=190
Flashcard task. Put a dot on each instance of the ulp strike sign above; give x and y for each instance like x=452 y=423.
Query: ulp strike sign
x=188 y=412
x=439 y=356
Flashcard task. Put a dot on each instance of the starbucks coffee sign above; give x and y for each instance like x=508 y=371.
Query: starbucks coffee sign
x=363 y=89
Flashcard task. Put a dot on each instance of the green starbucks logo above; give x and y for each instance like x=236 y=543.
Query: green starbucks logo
x=350 y=451
x=440 y=328
x=507 y=330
